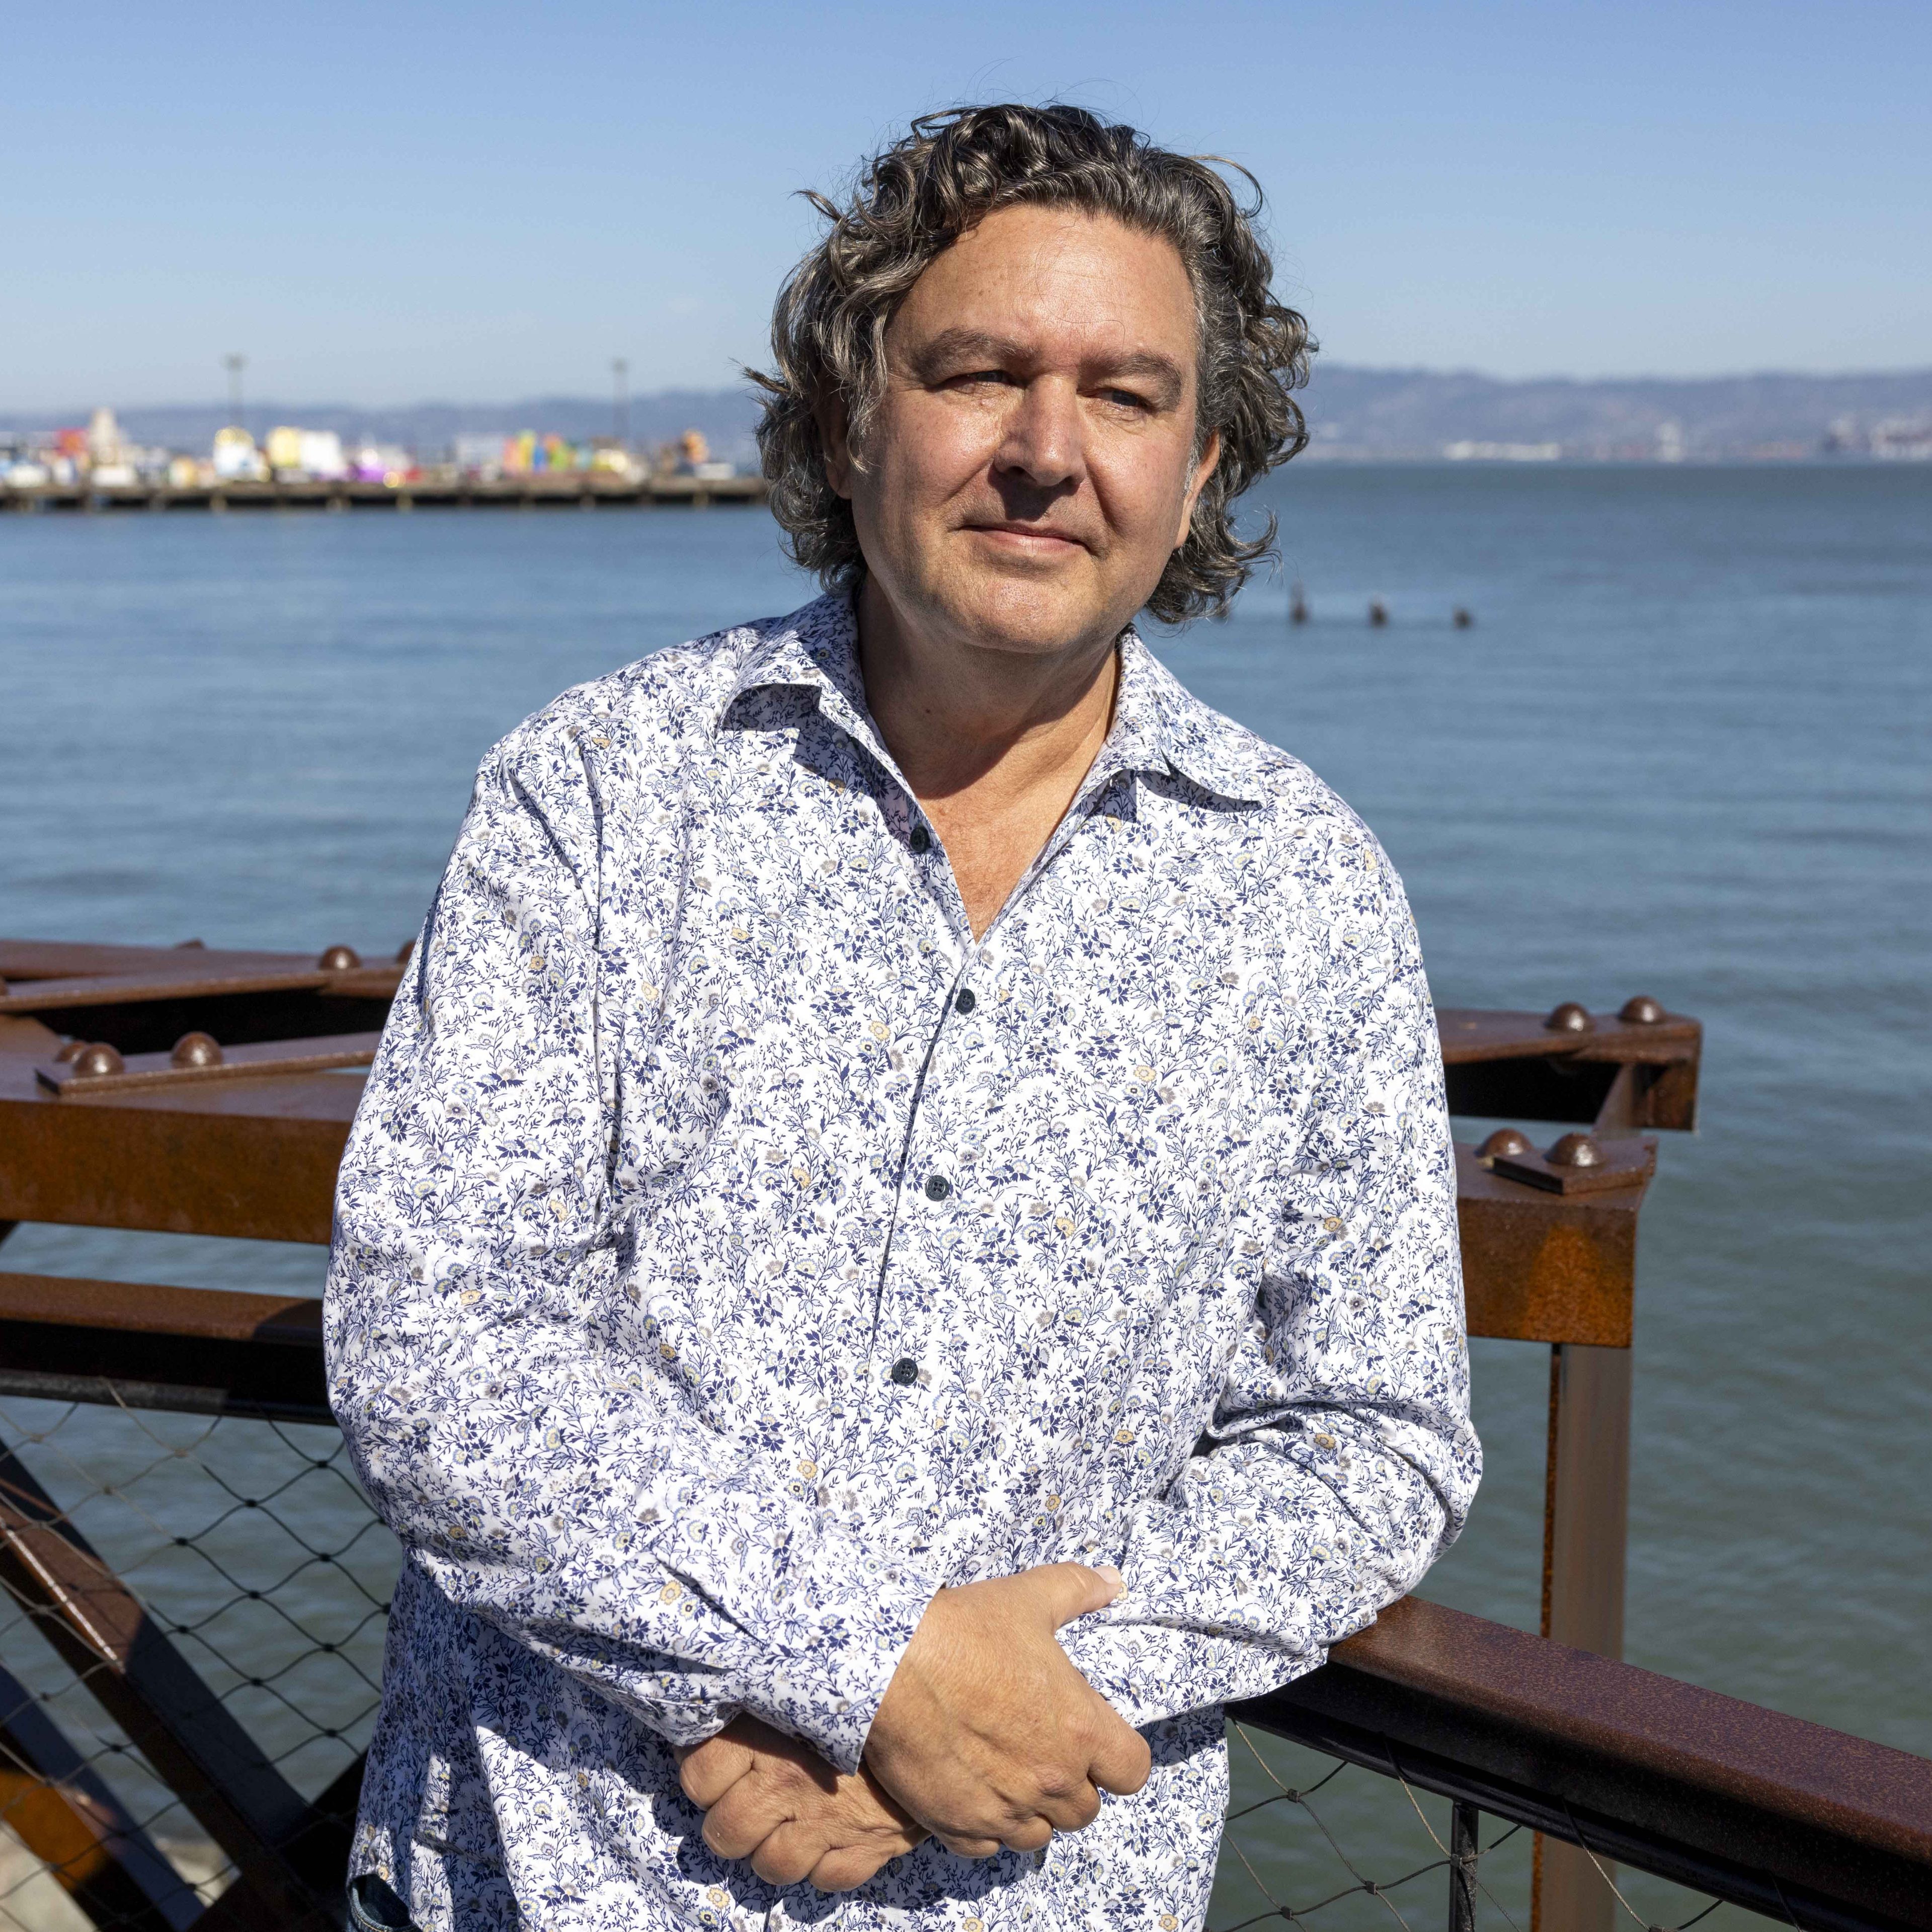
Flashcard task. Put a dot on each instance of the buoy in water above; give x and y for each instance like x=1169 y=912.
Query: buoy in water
x=1297 y=604
x=1378 y=612
x=1463 y=619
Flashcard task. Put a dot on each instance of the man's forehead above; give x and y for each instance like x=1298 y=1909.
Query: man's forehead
x=1029 y=283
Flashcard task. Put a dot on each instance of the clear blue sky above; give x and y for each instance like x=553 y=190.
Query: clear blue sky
x=382 y=203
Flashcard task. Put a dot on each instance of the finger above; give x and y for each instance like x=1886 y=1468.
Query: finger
x=1070 y=1590
x=1070 y=1810
x=1121 y=1761
x=850 y=1867
x=1034 y=1835
x=969 y=1848
x=789 y=1854
x=710 y=1771
x=743 y=1819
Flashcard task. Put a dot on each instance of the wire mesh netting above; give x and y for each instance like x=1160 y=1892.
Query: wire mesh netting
x=1312 y=1840
x=253 y=1558
x=256 y=1560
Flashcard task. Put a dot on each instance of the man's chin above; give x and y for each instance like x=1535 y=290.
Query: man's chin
x=1034 y=620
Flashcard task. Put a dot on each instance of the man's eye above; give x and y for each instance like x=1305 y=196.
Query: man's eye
x=973 y=377
x=1125 y=399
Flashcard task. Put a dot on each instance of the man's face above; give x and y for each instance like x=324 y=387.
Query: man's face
x=1031 y=467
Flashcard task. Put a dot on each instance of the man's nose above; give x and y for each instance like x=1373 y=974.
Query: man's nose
x=1044 y=439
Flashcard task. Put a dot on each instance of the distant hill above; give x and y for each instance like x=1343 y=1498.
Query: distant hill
x=1421 y=412
x=1364 y=413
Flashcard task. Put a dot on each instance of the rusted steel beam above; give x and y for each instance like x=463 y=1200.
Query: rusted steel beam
x=1538 y=1266
x=141 y=999
x=129 y=1667
x=196 y=1059
x=201 y=1350
x=255 y=1158
x=1810 y=1825
x=62 y=1812
x=1535 y=1067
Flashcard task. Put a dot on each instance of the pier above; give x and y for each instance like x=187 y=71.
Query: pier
x=566 y=490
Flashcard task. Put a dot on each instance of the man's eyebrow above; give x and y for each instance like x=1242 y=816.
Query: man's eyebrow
x=964 y=345
x=977 y=347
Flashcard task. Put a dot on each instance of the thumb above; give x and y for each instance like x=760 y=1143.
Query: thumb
x=1120 y=1762
x=1069 y=1590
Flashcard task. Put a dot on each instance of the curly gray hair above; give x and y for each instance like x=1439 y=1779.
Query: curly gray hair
x=918 y=195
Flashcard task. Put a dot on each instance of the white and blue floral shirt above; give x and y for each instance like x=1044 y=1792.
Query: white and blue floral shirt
x=732 y=1251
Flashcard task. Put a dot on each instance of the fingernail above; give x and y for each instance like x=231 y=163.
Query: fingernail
x=1112 y=1575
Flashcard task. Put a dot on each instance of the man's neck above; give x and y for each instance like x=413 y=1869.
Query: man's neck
x=994 y=744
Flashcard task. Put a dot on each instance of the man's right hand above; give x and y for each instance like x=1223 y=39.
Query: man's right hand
x=987 y=1734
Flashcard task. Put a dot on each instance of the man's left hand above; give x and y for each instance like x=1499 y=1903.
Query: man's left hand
x=768 y=1797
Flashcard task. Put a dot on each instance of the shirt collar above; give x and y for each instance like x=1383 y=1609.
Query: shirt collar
x=1158 y=727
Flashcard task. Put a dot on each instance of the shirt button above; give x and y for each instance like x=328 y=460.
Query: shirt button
x=905 y=1372
x=921 y=840
x=963 y=1001
x=938 y=1187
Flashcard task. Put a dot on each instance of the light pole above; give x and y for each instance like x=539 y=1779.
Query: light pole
x=235 y=365
x=620 y=372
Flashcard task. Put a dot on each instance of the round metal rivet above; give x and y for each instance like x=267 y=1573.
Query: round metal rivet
x=339 y=959
x=1505 y=1140
x=1640 y=1009
x=196 y=1049
x=1570 y=1018
x=96 y=1061
x=1576 y=1150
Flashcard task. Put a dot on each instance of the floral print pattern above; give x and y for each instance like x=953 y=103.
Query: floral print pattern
x=731 y=1251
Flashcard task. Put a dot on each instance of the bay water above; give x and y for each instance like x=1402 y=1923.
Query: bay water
x=1685 y=748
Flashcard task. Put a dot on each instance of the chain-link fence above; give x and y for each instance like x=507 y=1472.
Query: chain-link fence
x=175 y=1580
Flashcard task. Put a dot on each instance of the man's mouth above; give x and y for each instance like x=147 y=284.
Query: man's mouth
x=1036 y=537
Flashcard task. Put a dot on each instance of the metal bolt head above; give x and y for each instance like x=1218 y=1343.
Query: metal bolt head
x=1509 y=1141
x=339 y=959
x=1569 y=1018
x=95 y=1061
x=1640 y=1009
x=1575 y=1150
x=196 y=1049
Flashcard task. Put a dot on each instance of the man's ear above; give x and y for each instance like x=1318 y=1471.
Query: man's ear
x=1197 y=482
x=835 y=429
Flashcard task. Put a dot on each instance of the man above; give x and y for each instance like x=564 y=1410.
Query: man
x=900 y=1250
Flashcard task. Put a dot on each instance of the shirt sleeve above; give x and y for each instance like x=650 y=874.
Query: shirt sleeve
x=536 y=1451
x=1339 y=1461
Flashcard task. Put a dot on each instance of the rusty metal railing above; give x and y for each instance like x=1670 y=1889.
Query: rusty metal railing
x=200 y=1092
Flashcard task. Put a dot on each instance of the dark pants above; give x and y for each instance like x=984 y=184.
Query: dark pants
x=374 y=1907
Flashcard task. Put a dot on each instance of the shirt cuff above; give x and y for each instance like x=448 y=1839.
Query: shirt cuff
x=838 y=1652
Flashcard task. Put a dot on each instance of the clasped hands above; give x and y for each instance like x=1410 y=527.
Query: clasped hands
x=986 y=1736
